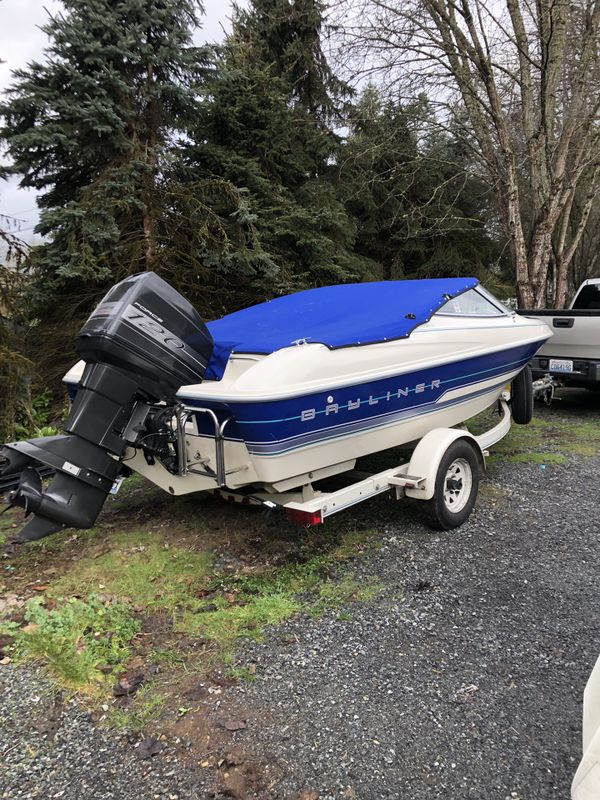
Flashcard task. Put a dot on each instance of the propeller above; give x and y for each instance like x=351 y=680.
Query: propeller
x=28 y=494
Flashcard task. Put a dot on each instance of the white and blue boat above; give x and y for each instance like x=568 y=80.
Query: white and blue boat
x=286 y=392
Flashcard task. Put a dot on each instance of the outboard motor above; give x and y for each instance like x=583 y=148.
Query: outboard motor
x=140 y=345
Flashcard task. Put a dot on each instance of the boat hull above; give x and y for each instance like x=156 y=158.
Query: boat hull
x=299 y=435
x=308 y=411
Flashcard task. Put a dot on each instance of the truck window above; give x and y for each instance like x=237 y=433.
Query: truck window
x=588 y=297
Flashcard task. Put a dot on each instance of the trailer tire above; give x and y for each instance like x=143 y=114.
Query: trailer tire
x=521 y=403
x=456 y=486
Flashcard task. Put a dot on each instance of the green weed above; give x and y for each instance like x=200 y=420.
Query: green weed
x=6 y=528
x=354 y=543
x=227 y=623
x=544 y=441
x=538 y=458
x=8 y=627
x=143 y=569
x=334 y=595
x=251 y=603
x=35 y=422
x=144 y=572
x=241 y=674
x=144 y=710
x=78 y=638
x=166 y=657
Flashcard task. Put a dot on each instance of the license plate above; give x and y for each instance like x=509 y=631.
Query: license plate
x=561 y=365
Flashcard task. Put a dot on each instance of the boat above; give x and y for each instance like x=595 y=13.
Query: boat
x=268 y=400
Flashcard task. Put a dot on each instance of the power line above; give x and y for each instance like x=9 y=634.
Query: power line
x=22 y=211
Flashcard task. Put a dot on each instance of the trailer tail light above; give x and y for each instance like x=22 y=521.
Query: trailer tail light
x=303 y=517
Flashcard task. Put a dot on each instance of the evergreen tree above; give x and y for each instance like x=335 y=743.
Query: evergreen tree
x=287 y=34
x=14 y=367
x=378 y=169
x=92 y=127
x=263 y=125
x=455 y=228
x=420 y=209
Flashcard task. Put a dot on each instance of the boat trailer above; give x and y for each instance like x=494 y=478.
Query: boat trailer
x=144 y=342
x=424 y=476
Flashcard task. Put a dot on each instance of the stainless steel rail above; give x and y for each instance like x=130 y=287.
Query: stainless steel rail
x=183 y=415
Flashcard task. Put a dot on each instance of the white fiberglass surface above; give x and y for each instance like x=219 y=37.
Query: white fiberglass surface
x=314 y=367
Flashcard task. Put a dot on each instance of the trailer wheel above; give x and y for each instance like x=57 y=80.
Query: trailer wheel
x=456 y=486
x=521 y=403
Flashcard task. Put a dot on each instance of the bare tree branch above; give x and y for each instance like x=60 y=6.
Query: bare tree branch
x=527 y=74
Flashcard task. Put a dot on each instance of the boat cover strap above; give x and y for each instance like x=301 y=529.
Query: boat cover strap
x=337 y=316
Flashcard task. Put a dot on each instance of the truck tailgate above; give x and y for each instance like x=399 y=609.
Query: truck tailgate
x=576 y=332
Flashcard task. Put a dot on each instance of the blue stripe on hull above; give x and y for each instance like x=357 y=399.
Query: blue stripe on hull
x=270 y=428
x=280 y=426
x=354 y=428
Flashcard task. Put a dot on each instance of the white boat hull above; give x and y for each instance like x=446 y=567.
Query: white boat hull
x=323 y=409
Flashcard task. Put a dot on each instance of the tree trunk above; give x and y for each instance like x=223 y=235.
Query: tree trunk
x=565 y=254
x=529 y=86
x=150 y=246
x=150 y=179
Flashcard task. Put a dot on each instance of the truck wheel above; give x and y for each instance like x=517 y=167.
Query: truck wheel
x=521 y=403
x=456 y=486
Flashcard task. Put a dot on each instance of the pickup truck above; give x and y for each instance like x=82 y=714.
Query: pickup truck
x=572 y=355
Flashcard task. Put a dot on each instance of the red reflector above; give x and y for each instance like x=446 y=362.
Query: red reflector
x=303 y=517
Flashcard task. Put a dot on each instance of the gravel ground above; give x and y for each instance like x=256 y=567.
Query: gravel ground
x=465 y=679
x=462 y=680
x=49 y=748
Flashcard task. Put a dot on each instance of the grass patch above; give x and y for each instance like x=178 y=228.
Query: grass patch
x=241 y=674
x=78 y=638
x=6 y=528
x=227 y=623
x=538 y=458
x=144 y=570
x=546 y=440
x=144 y=710
x=335 y=595
x=130 y=487
x=166 y=657
x=583 y=437
x=354 y=543
x=96 y=604
x=251 y=603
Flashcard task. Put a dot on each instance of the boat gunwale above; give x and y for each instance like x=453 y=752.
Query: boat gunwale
x=194 y=391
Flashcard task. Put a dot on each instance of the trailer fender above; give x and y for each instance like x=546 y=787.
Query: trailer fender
x=429 y=452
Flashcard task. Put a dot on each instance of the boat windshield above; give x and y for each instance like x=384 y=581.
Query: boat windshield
x=474 y=303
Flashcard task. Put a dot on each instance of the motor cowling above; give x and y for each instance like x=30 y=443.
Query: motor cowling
x=141 y=343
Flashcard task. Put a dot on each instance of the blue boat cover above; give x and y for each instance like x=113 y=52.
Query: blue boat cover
x=337 y=316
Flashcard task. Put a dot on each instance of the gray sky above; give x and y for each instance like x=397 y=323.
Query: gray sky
x=21 y=41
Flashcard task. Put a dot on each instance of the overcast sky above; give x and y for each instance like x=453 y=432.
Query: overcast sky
x=22 y=41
